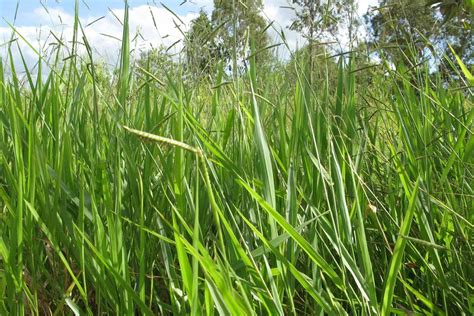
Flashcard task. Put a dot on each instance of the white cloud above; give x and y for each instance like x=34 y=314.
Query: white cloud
x=206 y=5
x=279 y=11
x=275 y=11
x=364 y=7
x=149 y=27
x=155 y=25
x=365 y=4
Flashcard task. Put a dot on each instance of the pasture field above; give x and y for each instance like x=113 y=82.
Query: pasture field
x=263 y=193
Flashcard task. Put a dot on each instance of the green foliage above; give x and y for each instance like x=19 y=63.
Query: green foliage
x=450 y=9
x=318 y=21
x=240 y=22
x=270 y=194
x=312 y=64
x=316 y=18
x=157 y=61
x=201 y=48
x=412 y=31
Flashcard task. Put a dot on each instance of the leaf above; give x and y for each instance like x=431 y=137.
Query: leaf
x=398 y=252
x=464 y=69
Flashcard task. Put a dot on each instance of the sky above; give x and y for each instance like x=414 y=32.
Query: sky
x=40 y=21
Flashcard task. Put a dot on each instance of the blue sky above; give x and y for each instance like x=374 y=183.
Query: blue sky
x=87 y=7
x=38 y=20
x=100 y=7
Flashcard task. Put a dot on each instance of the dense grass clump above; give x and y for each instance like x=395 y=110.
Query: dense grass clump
x=249 y=194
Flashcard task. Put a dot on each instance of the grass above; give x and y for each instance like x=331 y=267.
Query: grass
x=243 y=195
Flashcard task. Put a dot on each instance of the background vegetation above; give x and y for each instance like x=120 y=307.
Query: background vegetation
x=226 y=181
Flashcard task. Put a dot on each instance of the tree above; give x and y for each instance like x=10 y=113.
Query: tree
x=234 y=21
x=416 y=30
x=317 y=20
x=157 y=61
x=200 y=46
x=324 y=67
x=450 y=8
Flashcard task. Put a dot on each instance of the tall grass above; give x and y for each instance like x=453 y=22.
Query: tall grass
x=262 y=196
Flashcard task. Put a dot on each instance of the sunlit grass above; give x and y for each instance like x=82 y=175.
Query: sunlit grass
x=248 y=195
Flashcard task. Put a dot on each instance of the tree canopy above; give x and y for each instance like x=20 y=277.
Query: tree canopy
x=200 y=45
x=416 y=30
x=238 y=21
